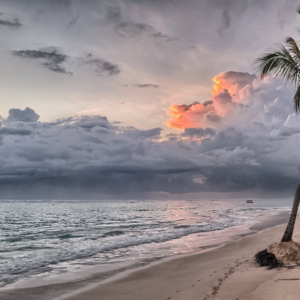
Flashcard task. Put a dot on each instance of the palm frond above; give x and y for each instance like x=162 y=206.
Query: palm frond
x=297 y=100
x=279 y=63
x=293 y=48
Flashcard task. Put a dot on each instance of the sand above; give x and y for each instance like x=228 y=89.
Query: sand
x=227 y=272
x=286 y=252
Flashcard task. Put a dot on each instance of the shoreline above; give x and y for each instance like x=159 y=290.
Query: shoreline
x=227 y=272
x=60 y=291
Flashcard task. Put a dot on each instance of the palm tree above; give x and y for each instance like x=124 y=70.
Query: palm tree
x=283 y=61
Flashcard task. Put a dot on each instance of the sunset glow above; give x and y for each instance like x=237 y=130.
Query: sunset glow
x=225 y=92
x=134 y=130
x=217 y=87
x=178 y=120
x=188 y=116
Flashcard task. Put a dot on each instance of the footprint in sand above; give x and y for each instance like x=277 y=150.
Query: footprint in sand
x=216 y=288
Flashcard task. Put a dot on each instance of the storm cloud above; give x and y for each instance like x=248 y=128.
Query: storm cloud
x=89 y=156
x=236 y=134
x=198 y=132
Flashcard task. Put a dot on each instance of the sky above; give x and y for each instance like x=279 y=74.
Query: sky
x=145 y=99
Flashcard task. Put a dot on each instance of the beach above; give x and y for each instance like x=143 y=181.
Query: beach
x=227 y=272
x=149 y=150
x=224 y=272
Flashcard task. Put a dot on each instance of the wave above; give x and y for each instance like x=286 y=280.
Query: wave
x=83 y=230
x=21 y=265
x=113 y=233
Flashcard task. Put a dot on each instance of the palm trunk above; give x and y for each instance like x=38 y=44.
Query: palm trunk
x=290 y=227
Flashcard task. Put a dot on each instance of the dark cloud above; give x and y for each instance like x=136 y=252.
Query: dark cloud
x=249 y=179
x=131 y=29
x=102 y=67
x=150 y=133
x=255 y=145
x=12 y=131
x=208 y=102
x=226 y=22
x=212 y=117
x=198 y=132
x=19 y=115
x=127 y=28
x=228 y=139
x=113 y=14
x=51 y=58
x=91 y=157
x=186 y=107
x=9 y=21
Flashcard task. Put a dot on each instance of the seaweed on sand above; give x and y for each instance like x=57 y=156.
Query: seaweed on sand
x=265 y=259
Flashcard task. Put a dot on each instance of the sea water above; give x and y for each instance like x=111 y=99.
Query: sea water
x=36 y=237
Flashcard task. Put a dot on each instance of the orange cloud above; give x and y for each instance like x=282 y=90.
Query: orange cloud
x=226 y=90
x=231 y=81
x=188 y=116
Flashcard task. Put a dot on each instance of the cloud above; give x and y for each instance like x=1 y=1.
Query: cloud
x=86 y=151
x=186 y=116
x=53 y=59
x=130 y=29
x=231 y=81
x=127 y=28
x=145 y=85
x=19 y=115
x=9 y=21
x=256 y=125
x=226 y=22
x=230 y=90
x=89 y=122
x=50 y=57
x=253 y=149
x=198 y=132
x=12 y=131
x=102 y=67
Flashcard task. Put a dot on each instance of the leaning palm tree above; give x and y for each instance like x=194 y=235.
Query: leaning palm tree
x=283 y=61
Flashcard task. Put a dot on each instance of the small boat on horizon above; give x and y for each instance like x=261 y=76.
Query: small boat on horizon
x=249 y=201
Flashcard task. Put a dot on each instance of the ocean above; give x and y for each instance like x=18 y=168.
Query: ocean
x=57 y=237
